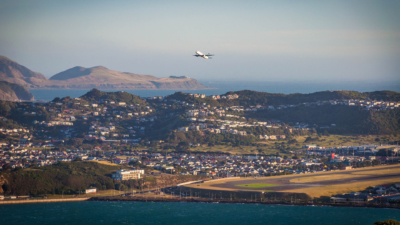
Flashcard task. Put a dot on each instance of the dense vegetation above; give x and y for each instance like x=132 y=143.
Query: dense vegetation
x=6 y=107
x=212 y=139
x=74 y=177
x=67 y=178
x=247 y=97
x=252 y=98
x=185 y=97
x=120 y=96
x=348 y=119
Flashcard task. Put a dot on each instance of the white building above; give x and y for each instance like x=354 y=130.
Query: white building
x=127 y=174
x=91 y=190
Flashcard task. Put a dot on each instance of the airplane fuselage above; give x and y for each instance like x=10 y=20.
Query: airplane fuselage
x=201 y=55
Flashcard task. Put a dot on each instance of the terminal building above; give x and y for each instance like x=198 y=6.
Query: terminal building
x=127 y=174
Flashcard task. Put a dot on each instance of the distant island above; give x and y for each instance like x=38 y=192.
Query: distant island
x=95 y=77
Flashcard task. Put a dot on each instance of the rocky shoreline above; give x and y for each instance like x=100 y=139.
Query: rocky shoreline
x=204 y=200
x=200 y=200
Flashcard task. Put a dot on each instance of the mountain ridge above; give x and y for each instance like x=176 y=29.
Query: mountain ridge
x=13 y=72
x=14 y=92
x=79 y=77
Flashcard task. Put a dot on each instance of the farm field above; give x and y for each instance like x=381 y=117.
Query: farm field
x=313 y=184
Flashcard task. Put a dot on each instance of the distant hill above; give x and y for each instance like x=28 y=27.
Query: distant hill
x=95 y=77
x=120 y=96
x=247 y=97
x=101 y=77
x=14 y=92
x=348 y=119
x=15 y=73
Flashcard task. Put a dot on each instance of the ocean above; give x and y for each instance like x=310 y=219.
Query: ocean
x=166 y=213
x=222 y=87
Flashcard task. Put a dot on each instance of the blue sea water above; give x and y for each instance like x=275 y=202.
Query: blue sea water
x=187 y=213
x=222 y=87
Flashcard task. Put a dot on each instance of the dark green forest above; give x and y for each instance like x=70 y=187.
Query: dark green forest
x=247 y=98
x=348 y=119
x=120 y=96
x=67 y=178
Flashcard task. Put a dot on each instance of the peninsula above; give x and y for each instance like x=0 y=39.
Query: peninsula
x=95 y=77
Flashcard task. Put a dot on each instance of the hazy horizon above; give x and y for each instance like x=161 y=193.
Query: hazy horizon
x=339 y=41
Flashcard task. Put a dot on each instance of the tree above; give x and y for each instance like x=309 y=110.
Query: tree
x=57 y=99
x=77 y=159
x=182 y=146
x=308 y=139
x=6 y=188
x=98 y=185
x=109 y=185
x=7 y=168
x=121 y=187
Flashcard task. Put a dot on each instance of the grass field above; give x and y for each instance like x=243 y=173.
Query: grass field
x=257 y=185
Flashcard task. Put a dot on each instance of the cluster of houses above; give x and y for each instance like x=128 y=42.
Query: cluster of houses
x=220 y=165
x=233 y=96
x=107 y=121
x=77 y=111
x=204 y=119
x=14 y=131
x=366 y=104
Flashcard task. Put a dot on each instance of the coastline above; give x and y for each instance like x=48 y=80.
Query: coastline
x=111 y=88
x=199 y=200
x=203 y=200
x=27 y=201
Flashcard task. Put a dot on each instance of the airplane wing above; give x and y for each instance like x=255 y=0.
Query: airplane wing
x=198 y=55
x=209 y=54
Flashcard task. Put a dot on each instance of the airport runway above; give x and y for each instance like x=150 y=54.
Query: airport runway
x=284 y=183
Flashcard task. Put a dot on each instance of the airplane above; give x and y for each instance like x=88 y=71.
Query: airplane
x=204 y=56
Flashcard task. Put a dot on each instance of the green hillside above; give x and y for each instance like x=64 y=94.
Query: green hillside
x=120 y=96
x=348 y=119
x=67 y=177
x=247 y=97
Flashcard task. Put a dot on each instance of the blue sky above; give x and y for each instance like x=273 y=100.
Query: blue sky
x=252 y=40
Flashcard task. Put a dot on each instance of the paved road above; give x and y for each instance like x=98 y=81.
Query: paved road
x=284 y=183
